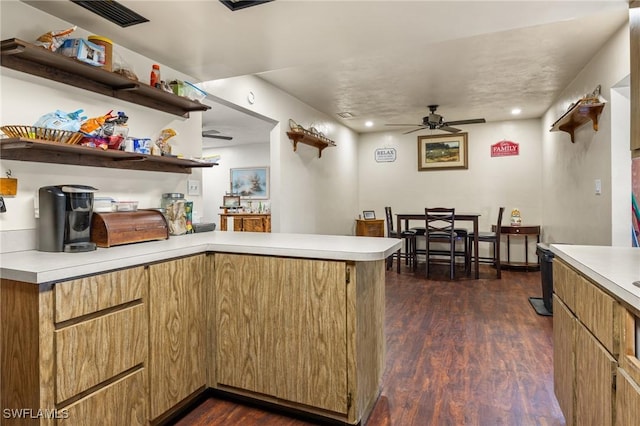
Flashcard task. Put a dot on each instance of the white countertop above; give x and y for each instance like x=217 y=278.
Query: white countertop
x=613 y=268
x=40 y=267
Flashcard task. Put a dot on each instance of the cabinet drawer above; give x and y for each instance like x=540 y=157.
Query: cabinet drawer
x=92 y=294
x=90 y=352
x=598 y=311
x=120 y=403
x=629 y=358
x=563 y=285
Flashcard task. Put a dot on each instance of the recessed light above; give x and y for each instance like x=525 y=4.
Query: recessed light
x=516 y=111
x=368 y=123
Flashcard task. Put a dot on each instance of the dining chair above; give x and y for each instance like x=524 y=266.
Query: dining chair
x=439 y=227
x=492 y=237
x=409 y=238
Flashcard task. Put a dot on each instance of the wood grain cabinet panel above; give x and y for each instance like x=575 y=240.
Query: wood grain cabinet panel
x=627 y=400
x=93 y=351
x=177 y=331
x=595 y=374
x=282 y=328
x=563 y=284
x=597 y=311
x=120 y=403
x=564 y=329
x=92 y=294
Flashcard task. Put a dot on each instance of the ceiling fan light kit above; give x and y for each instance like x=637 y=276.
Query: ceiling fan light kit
x=436 y=122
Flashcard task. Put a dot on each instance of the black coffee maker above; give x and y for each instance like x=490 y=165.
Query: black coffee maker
x=65 y=218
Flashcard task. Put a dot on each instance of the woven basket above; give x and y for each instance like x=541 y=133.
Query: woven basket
x=31 y=132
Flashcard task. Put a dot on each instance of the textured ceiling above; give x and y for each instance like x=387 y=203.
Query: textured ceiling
x=383 y=61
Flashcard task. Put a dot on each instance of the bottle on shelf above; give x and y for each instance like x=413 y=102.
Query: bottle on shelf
x=155 y=76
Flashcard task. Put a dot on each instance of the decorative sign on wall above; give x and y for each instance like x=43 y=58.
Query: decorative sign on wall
x=505 y=148
x=385 y=155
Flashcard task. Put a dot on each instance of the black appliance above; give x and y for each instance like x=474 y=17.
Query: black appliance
x=65 y=218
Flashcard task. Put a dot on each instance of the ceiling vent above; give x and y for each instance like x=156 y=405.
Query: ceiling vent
x=345 y=114
x=242 y=4
x=113 y=11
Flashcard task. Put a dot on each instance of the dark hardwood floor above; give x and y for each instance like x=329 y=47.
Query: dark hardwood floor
x=464 y=352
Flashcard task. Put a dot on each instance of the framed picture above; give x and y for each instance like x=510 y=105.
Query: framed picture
x=250 y=183
x=368 y=214
x=442 y=152
x=230 y=201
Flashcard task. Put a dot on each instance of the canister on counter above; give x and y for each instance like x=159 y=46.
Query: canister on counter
x=108 y=49
x=169 y=198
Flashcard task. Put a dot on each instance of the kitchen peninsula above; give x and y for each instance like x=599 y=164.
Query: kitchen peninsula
x=596 y=329
x=288 y=319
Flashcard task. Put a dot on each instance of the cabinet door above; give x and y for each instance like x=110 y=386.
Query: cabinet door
x=176 y=331
x=282 y=328
x=627 y=400
x=595 y=372
x=564 y=325
x=253 y=224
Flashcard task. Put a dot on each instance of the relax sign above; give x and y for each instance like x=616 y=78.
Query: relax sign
x=504 y=149
x=385 y=155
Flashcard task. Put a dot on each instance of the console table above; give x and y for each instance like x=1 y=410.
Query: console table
x=247 y=222
x=525 y=231
x=370 y=227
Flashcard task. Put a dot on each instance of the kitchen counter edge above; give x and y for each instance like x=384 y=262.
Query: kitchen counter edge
x=613 y=268
x=40 y=267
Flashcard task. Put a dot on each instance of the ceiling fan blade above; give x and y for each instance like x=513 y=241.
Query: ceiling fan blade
x=449 y=129
x=208 y=135
x=461 y=122
x=404 y=125
x=414 y=130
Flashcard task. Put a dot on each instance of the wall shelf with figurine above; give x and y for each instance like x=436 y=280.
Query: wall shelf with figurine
x=310 y=137
x=35 y=60
x=587 y=109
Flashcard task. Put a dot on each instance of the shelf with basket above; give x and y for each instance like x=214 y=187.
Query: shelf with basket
x=47 y=151
x=35 y=60
x=311 y=137
x=584 y=110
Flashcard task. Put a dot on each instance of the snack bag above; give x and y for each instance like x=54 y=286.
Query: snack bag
x=92 y=126
x=54 y=39
x=61 y=120
x=162 y=141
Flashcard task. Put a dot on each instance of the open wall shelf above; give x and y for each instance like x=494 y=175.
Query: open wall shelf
x=31 y=59
x=41 y=151
x=307 y=138
x=582 y=112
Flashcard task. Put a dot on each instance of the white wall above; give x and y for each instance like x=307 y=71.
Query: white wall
x=25 y=98
x=308 y=194
x=488 y=183
x=216 y=180
x=572 y=212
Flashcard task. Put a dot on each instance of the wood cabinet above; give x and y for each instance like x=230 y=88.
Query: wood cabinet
x=177 y=331
x=370 y=227
x=290 y=331
x=564 y=373
x=246 y=222
x=82 y=350
x=586 y=337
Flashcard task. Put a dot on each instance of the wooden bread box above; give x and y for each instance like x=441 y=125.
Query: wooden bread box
x=116 y=228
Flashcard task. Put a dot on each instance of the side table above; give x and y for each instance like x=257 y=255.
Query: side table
x=525 y=231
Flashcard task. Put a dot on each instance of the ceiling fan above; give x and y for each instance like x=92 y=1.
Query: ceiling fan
x=214 y=134
x=435 y=121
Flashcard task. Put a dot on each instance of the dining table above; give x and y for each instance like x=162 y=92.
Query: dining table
x=458 y=217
